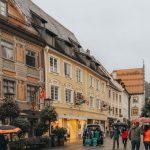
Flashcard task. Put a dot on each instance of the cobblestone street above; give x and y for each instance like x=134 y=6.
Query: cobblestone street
x=107 y=146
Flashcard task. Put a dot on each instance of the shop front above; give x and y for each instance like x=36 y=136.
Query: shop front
x=75 y=120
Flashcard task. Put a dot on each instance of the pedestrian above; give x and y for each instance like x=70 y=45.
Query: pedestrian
x=124 y=136
x=135 y=136
x=2 y=142
x=115 y=135
x=6 y=142
x=146 y=137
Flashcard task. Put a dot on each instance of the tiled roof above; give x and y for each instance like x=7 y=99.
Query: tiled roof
x=132 y=78
x=52 y=25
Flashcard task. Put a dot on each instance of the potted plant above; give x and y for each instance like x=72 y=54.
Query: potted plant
x=60 y=133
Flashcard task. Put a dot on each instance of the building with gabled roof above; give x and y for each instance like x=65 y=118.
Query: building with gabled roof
x=134 y=81
x=39 y=54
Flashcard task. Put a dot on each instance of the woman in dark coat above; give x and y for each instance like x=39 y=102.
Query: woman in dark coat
x=2 y=142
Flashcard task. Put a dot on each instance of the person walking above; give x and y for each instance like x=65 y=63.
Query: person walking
x=135 y=136
x=146 y=137
x=2 y=142
x=124 y=137
x=115 y=135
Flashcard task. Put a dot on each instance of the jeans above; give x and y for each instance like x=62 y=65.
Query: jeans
x=114 y=142
x=147 y=145
x=124 y=141
x=135 y=145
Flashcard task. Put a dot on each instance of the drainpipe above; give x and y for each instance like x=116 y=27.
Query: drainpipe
x=129 y=107
x=46 y=67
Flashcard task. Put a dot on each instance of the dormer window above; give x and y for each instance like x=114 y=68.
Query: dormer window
x=37 y=20
x=3 y=8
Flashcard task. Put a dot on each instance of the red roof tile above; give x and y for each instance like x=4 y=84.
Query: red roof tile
x=132 y=78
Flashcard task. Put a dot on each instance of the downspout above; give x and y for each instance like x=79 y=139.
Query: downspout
x=46 y=67
x=129 y=107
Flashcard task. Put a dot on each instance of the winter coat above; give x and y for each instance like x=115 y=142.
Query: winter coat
x=125 y=134
x=146 y=136
x=135 y=133
x=115 y=133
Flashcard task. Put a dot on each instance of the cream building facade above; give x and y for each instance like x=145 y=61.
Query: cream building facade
x=79 y=93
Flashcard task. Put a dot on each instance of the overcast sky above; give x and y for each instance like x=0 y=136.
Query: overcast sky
x=116 y=31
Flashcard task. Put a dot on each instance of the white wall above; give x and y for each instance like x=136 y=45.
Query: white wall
x=137 y=105
x=125 y=105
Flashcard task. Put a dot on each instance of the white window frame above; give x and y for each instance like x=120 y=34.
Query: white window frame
x=97 y=84
x=78 y=74
x=71 y=96
x=91 y=105
x=3 y=8
x=53 y=68
x=69 y=70
x=91 y=81
x=55 y=86
x=28 y=53
x=99 y=104
x=8 y=48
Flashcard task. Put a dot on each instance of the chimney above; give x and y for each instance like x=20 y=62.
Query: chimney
x=88 y=52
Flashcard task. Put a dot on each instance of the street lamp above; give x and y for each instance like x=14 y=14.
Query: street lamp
x=48 y=103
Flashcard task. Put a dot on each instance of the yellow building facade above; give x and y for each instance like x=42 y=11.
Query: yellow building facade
x=69 y=83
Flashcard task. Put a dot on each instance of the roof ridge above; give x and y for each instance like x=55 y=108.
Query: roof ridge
x=127 y=69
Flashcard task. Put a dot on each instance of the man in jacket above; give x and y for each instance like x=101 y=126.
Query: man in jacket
x=115 y=136
x=135 y=136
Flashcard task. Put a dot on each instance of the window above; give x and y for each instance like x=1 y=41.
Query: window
x=103 y=87
x=54 y=92
x=113 y=110
x=8 y=87
x=3 y=8
x=32 y=94
x=117 y=97
x=7 y=50
x=135 y=112
x=116 y=111
x=97 y=85
x=91 y=81
x=91 y=102
x=120 y=99
x=120 y=112
x=135 y=99
x=98 y=104
x=53 y=64
x=68 y=94
x=30 y=58
x=113 y=95
x=79 y=75
x=67 y=69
